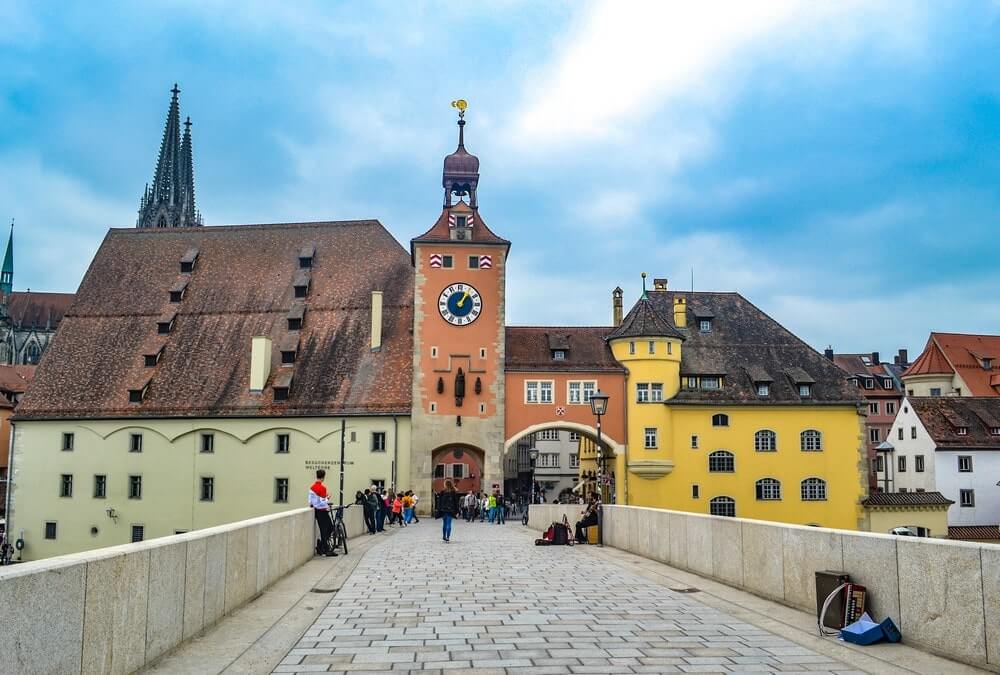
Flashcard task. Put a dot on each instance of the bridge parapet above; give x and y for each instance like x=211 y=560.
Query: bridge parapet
x=944 y=595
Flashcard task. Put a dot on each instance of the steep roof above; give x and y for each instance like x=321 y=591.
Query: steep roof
x=15 y=379
x=31 y=309
x=745 y=340
x=907 y=499
x=944 y=416
x=241 y=287
x=644 y=321
x=966 y=353
x=440 y=232
x=931 y=361
x=529 y=348
x=860 y=365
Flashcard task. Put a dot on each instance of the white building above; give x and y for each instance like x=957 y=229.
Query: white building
x=950 y=445
x=558 y=465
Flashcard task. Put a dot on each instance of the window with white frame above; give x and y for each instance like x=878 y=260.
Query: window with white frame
x=962 y=431
x=901 y=464
x=548 y=460
x=805 y=390
x=768 y=489
x=711 y=382
x=900 y=433
x=967 y=498
x=538 y=391
x=651 y=437
x=887 y=383
x=965 y=463
x=874 y=435
x=890 y=408
x=763 y=389
x=720 y=420
x=652 y=346
x=765 y=440
x=559 y=354
x=814 y=490
x=918 y=463
x=873 y=408
x=578 y=392
x=879 y=464
x=722 y=506
x=574 y=461
x=705 y=325
x=642 y=392
x=545 y=392
x=694 y=441
x=811 y=440
x=721 y=461
x=548 y=435
x=869 y=383
x=913 y=432
x=589 y=387
x=631 y=348
x=574 y=437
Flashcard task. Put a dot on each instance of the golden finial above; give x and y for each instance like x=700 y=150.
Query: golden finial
x=461 y=104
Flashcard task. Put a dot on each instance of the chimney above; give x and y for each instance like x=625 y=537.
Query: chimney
x=680 y=311
x=875 y=359
x=260 y=363
x=659 y=284
x=904 y=358
x=828 y=352
x=376 y=321
x=616 y=306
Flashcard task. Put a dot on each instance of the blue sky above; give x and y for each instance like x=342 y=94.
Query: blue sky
x=839 y=165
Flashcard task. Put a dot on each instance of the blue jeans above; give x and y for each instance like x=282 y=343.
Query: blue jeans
x=446 y=519
x=408 y=515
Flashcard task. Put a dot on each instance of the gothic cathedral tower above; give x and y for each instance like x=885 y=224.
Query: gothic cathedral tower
x=458 y=339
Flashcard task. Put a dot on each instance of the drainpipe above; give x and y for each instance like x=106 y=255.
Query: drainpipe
x=395 y=449
x=625 y=416
x=8 y=499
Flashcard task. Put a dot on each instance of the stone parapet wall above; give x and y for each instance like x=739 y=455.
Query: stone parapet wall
x=115 y=609
x=943 y=595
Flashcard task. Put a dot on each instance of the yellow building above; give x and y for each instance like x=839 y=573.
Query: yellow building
x=728 y=413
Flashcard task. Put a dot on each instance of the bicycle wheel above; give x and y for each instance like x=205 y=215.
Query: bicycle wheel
x=341 y=533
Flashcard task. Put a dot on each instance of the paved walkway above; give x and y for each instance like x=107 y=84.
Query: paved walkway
x=492 y=602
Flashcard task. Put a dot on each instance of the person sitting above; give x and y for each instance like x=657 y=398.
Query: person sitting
x=589 y=519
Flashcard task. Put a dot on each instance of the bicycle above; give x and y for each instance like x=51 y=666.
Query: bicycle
x=338 y=535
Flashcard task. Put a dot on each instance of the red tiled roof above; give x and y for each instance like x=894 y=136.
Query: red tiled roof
x=907 y=499
x=965 y=352
x=854 y=364
x=529 y=348
x=974 y=532
x=241 y=287
x=439 y=232
x=930 y=362
x=30 y=308
x=15 y=379
x=943 y=416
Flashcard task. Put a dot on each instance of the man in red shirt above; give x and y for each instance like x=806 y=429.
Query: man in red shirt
x=321 y=510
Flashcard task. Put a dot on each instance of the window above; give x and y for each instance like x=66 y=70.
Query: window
x=50 y=530
x=439 y=470
x=294 y=323
x=378 y=441
x=711 y=382
x=966 y=498
x=287 y=356
x=282 y=443
x=378 y=483
x=458 y=471
x=548 y=460
x=548 y=435
x=207 y=489
x=879 y=464
x=280 y=393
x=631 y=348
x=652 y=347
x=721 y=461
x=208 y=443
x=722 y=506
x=691 y=382
x=578 y=392
x=138 y=532
x=805 y=390
x=67 y=442
x=901 y=464
x=918 y=463
x=768 y=490
x=994 y=431
x=869 y=383
x=545 y=392
x=670 y=347
x=656 y=393
x=962 y=431
x=651 y=438
x=765 y=440
x=447 y=261
x=538 y=391
x=887 y=384
x=559 y=354
x=913 y=432
x=873 y=408
x=900 y=433
x=811 y=440
x=720 y=420
x=814 y=490
x=589 y=387
x=874 y=435
x=705 y=325
x=574 y=437
x=695 y=492
x=935 y=391
x=642 y=392
x=473 y=262
x=135 y=487
x=763 y=389
x=574 y=461
x=100 y=486
x=66 y=485
x=281 y=490
x=965 y=463
x=890 y=408
x=694 y=442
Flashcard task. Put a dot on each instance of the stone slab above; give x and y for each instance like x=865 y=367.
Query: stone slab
x=870 y=559
x=165 y=605
x=807 y=550
x=194 y=587
x=727 y=550
x=114 y=631
x=763 y=562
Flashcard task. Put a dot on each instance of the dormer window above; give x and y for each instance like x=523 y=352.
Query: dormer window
x=188 y=261
x=887 y=383
x=301 y=283
x=165 y=323
x=869 y=383
x=296 y=316
x=763 y=389
x=289 y=348
x=994 y=431
x=150 y=360
x=306 y=255
x=178 y=289
x=559 y=354
x=805 y=390
x=138 y=394
x=962 y=431
x=987 y=362
x=705 y=325
x=282 y=385
x=711 y=382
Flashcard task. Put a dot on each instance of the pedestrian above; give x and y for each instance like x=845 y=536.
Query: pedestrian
x=321 y=511
x=416 y=502
x=501 y=509
x=371 y=510
x=447 y=508
x=380 y=514
x=407 y=507
x=469 y=506
x=397 y=509
x=484 y=505
x=491 y=504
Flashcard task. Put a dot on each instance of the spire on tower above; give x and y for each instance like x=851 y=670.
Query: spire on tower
x=461 y=169
x=170 y=200
x=7 y=271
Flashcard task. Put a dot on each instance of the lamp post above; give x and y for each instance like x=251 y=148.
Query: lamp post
x=599 y=406
x=533 y=456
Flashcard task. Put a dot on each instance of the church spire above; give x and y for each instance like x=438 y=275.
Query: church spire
x=461 y=169
x=7 y=271
x=169 y=202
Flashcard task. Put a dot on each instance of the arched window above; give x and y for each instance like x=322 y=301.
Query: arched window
x=162 y=222
x=721 y=461
x=811 y=440
x=814 y=490
x=720 y=420
x=765 y=440
x=33 y=353
x=722 y=506
x=768 y=489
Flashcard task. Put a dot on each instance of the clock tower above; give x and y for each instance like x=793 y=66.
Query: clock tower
x=458 y=339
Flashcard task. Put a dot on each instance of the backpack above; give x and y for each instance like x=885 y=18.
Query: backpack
x=556 y=535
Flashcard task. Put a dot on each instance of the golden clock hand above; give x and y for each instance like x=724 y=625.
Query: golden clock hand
x=461 y=302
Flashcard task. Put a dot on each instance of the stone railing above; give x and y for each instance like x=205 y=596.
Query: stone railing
x=943 y=595
x=116 y=609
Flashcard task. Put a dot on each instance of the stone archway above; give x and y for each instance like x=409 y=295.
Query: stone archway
x=462 y=464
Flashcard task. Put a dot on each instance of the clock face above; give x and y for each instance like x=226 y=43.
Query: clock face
x=460 y=304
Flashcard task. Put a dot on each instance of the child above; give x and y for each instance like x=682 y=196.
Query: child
x=397 y=510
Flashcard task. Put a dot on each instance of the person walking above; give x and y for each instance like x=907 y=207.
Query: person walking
x=416 y=501
x=371 y=510
x=397 y=509
x=380 y=514
x=447 y=508
x=491 y=505
x=407 y=507
x=484 y=506
x=501 y=509
x=318 y=500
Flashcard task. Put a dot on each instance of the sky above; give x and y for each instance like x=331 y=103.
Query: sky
x=838 y=164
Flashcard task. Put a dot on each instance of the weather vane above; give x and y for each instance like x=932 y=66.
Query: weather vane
x=461 y=104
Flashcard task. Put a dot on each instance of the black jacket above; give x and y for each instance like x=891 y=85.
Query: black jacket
x=447 y=502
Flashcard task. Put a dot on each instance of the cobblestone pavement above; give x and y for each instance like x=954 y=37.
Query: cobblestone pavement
x=492 y=602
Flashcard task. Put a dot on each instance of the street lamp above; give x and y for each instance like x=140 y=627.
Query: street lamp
x=599 y=406
x=533 y=456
